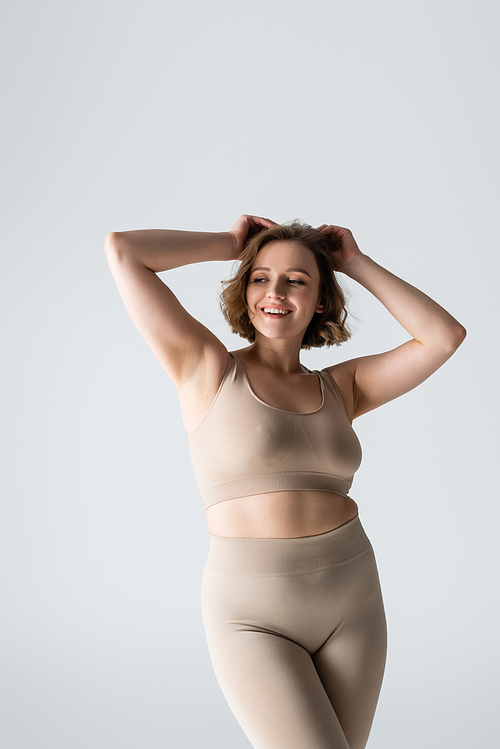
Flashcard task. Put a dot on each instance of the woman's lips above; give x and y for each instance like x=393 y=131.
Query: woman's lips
x=285 y=312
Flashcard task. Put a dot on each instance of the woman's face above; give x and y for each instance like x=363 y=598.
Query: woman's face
x=284 y=275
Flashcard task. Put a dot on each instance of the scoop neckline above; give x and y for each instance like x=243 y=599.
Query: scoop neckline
x=275 y=408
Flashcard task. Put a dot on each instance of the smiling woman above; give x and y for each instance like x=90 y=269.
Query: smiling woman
x=326 y=328
x=302 y=297
x=291 y=599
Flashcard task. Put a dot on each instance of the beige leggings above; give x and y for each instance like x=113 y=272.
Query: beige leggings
x=296 y=633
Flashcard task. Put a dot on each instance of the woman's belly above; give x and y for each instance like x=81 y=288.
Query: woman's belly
x=287 y=514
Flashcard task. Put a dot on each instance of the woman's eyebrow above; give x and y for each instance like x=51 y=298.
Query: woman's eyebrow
x=300 y=270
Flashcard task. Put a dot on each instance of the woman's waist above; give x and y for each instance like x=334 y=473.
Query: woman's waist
x=288 y=556
x=282 y=514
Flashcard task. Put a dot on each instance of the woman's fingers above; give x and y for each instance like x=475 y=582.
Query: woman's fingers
x=264 y=221
x=247 y=226
x=328 y=229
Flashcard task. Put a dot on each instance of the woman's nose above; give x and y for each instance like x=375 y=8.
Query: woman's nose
x=276 y=290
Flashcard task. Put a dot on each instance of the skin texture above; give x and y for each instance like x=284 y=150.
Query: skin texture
x=274 y=371
x=195 y=359
x=279 y=338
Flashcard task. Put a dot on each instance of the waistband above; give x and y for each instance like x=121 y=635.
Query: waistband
x=288 y=555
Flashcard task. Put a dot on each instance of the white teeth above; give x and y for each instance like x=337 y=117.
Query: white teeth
x=276 y=311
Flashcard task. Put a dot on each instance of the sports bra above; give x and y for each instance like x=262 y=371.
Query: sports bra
x=244 y=446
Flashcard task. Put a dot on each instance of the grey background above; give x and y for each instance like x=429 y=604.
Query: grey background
x=383 y=117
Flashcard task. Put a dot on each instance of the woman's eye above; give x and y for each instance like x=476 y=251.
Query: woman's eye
x=291 y=280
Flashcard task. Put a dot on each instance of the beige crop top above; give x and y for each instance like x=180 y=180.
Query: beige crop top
x=244 y=446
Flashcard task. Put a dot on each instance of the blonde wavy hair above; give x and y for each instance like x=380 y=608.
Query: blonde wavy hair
x=327 y=328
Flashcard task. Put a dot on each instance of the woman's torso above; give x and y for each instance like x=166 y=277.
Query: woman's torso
x=280 y=514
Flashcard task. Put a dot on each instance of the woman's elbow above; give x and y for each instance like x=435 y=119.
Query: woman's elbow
x=458 y=337
x=110 y=240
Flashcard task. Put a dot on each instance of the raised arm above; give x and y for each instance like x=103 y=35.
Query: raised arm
x=436 y=334
x=179 y=341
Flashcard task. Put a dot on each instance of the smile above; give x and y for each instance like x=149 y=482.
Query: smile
x=275 y=312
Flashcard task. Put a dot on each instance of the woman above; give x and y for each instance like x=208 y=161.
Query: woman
x=291 y=599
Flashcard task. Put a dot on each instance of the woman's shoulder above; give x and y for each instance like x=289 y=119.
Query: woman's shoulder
x=342 y=375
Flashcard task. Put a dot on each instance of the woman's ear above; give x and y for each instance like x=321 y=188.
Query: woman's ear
x=320 y=307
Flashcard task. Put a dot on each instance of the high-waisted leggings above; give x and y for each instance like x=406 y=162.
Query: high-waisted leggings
x=296 y=633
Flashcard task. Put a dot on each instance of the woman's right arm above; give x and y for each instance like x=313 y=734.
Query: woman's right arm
x=179 y=341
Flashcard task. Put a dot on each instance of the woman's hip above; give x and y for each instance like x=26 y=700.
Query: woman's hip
x=300 y=588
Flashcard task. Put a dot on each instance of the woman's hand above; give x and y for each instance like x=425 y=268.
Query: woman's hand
x=245 y=228
x=343 y=246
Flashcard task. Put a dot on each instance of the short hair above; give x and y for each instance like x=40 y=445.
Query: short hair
x=326 y=328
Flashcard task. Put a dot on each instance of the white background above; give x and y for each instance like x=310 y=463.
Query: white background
x=380 y=116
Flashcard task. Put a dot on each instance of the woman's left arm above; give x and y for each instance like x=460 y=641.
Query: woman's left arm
x=436 y=334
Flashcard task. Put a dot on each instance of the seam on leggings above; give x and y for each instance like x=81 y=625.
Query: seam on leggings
x=289 y=574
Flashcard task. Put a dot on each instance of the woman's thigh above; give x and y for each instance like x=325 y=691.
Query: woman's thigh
x=351 y=662
x=273 y=689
